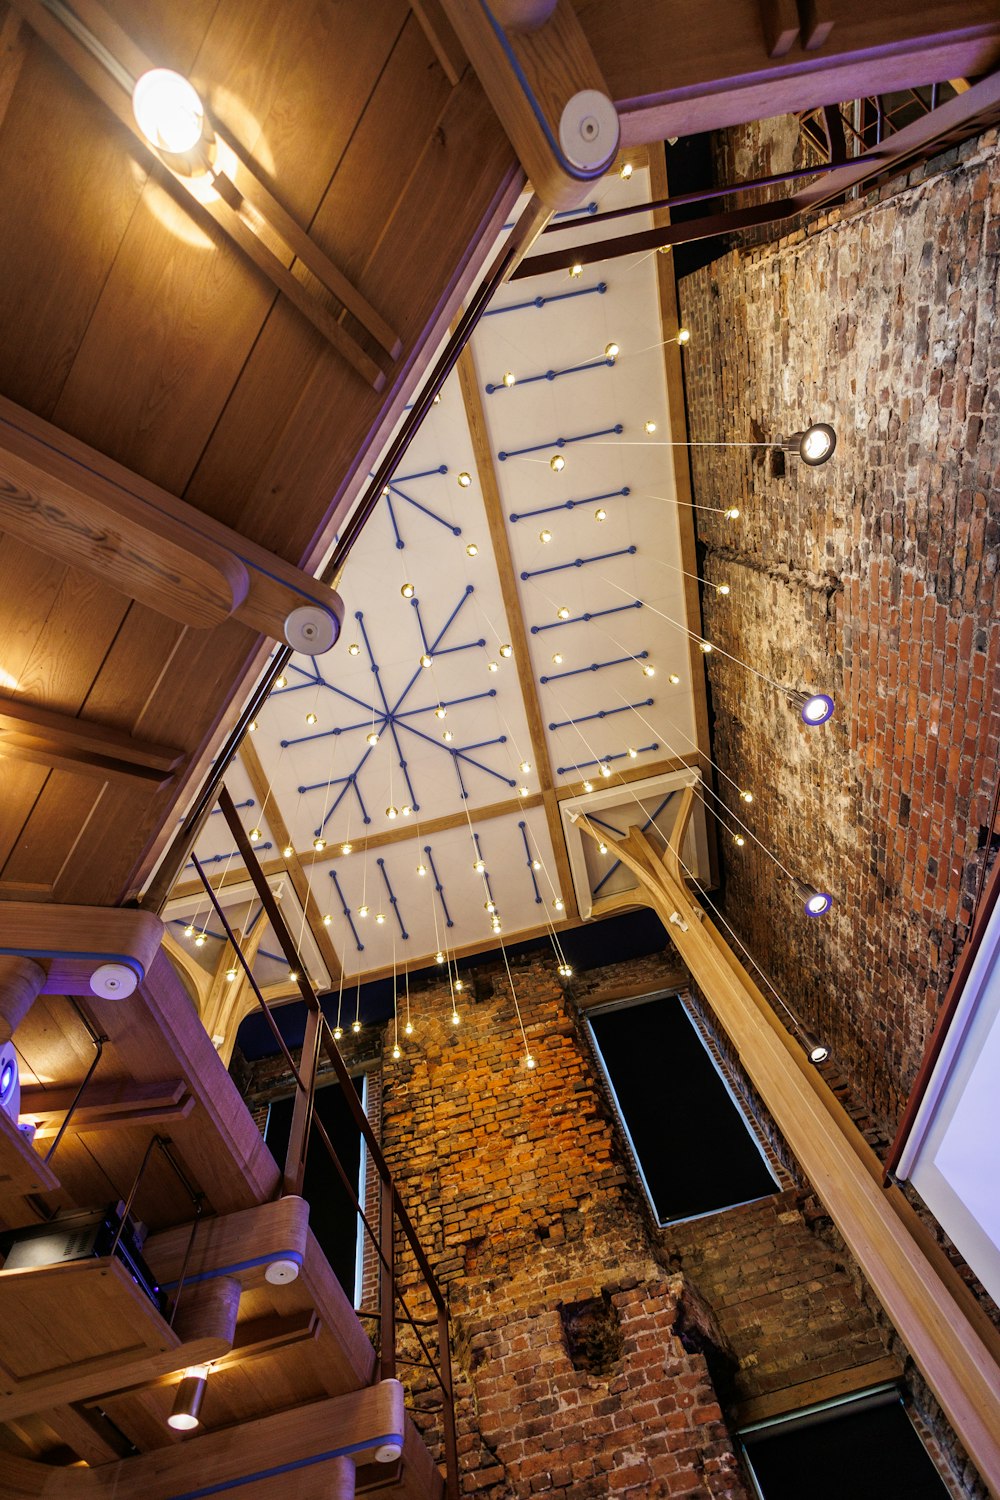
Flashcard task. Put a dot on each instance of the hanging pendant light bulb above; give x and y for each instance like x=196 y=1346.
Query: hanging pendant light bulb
x=407 y=591
x=557 y=463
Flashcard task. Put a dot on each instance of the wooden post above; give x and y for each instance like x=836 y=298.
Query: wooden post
x=302 y=1110
x=342 y=1473
x=943 y=1341
x=21 y=979
x=387 y=1283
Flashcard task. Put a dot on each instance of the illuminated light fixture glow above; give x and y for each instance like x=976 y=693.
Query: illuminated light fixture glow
x=814 y=903
x=705 y=646
x=185 y=1411
x=472 y=550
x=684 y=335
x=557 y=463
x=252 y=726
x=733 y=513
x=509 y=378
x=231 y=975
x=602 y=848
x=600 y=514
x=380 y=919
x=288 y=851
x=747 y=796
x=407 y=591
x=168 y=111
x=421 y=869
x=529 y=1061
x=338 y=1032
x=649 y=428
x=346 y=847
x=523 y=791
x=200 y=940
x=459 y=984
x=355 y=1027
x=562 y=612
x=649 y=670
x=722 y=588
x=371 y=739
x=545 y=536
x=575 y=270
x=815 y=708
x=353 y=649
x=448 y=736
x=557 y=658
x=455 y=1018
x=492 y=666
x=536 y=864
x=362 y=911
x=436 y=401
x=479 y=866
x=391 y=811
x=525 y=766
x=281 y=682
x=319 y=844
x=559 y=904
x=464 y=479
x=189 y=930
x=310 y=718
x=632 y=753
x=396 y=1053
x=293 y=975
x=408 y=1028
x=673 y=678
x=605 y=769
x=506 y=650
x=625 y=171
x=327 y=919
x=740 y=840
x=439 y=957
x=611 y=351
x=588 y=786
x=815 y=445
x=818 y=1052
x=440 y=712
x=254 y=835
x=426 y=659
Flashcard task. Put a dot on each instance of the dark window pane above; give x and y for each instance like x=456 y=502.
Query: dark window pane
x=332 y=1217
x=868 y=1454
x=696 y=1152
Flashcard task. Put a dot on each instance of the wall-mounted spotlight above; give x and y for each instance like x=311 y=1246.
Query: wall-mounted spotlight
x=814 y=903
x=185 y=1412
x=168 y=111
x=816 y=1051
x=815 y=708
x=814 y=446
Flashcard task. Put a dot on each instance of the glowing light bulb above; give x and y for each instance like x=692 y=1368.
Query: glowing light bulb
x=338 y=1032
x=254 y=835
x=327 y=919
x=392 y=812
x=281 y=681
x=231 y=975
x=740 y=840
x=525 y=766
x=319 y=844
x=611 y=351
x=168 y=111
x=464 y=479
x=310 y=718
x=605 y=769
x=426 y=659
x=200 y=940
x=557 y=463
x=372 y=738
x=479 y=866
x=506 y=650
x=625 y=171
x=557 y=658
x=472 y=550
x=588 y=786
x=492 y=666
x=439 y=957
x=722 y=588
x=602 y=848
x=407 y=591
x=288 y=851
x=396 y=1053
x=559 y=904
x=649 y=428
x=747 y=796
x=575 y=270
x=529 y=1061
x=684 y=335
x=406 y=810
x=421 y=869
x=600 y=514
x=293 y=975
x=536 y=864
x=733 y=513
x=448 y=736
x=649 y=670
x=436 y=400
x=252 y=726
x=562 y=612
x=355 y=1027
x=362 y=911
x=459 y=985
x=408 y=1028
x=523 y=791
x=380 y=919
x=346 y=847
x=189 y=930
x=353 y=649
x=489 y=906
x=545 y=536
x=509 y=378
x=632 y=753
x=817 y=708
x=673 y=678
x=705 y=646
x=455 y=1018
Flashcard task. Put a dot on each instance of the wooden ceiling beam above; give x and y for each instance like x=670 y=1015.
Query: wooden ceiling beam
x=530 y=78
x=441 y=34
x=41 y=737
x=66 y=499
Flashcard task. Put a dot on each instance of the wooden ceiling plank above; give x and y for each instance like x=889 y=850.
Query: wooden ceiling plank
x=296 y=874
x=468 y=377
x=13 y=50
x=441 y=34
x=58 y=824
x=42 y=737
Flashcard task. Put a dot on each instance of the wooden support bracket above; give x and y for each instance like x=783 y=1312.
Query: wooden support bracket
x=89 y=934
x=65 y=498
x=45 y=738
x=106 y=1105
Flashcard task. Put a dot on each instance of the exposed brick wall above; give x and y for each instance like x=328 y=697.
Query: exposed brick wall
x=874 y=577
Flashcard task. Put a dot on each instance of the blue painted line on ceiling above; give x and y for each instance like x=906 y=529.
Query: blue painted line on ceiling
x=604 y=760
x=289 y=1468
x=238 y=805
x=392 y=899
x=595 y=666
x=602 y=823
x=590 y=614
x=546 y=510
x=567 y=213
x=538 y=302
x=359 y=945
x=218 y=859
x=550 y=375
x=601 y=713
x=528 y=860
x=438 y=886
x=579 y=562
x=562 y=442
x=419 y=505
x=648 y=823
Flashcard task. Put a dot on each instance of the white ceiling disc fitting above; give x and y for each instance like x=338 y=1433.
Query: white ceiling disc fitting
x=280 y=1272
x=388 y=1453
x=113 y=981
x=589 y=129
x=311 y=630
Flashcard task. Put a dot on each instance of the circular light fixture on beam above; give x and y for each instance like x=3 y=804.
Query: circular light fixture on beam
x=168 y=111
x=185 y=1412
x=815 y=445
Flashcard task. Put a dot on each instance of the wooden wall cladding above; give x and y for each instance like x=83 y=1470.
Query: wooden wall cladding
x=137 y=328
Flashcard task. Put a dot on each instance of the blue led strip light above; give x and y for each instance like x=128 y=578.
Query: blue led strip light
x=528 y=858
x=590 y=614
x=438 y=886
x=217 y=859
x=347 y=912
x=411 y=713
x=565 y=213
x=239 y=806
x=289 y=1468
x=648 y=823
x=604 y=760
x=593 y=364
x=595 y=666
x=562 y=442
x=392 y=899
x=582 y=291
x=603 y=823
x=602 y=713
x=579 y=562
x=546 y=510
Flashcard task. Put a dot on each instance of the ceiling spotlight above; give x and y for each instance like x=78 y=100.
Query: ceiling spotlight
x=605 y=769
x=353 y=649
x=525 y=766
x=406 y=810
x=254 y=835
x=392 y=812
x=649 y=428
x=448 y=736
x=557 y=658
x=252 y=726
x=611 y=351
x=407 y=591
x=506 y=650
x=490 y=907
x=557 y=463
x=684 y=335
x=346 y=847
x=231 y=975
x=372 y=738
x=562 y=612
x=588 y=786
x=440 y=712
x=625 y=171
x=362 y=911
x=380 y=918
x=632 y=753
x=509 y=378
x=338 y=1032
x=815 y=708
x=293 y=975
x=426 y=659
x=310 y=718
x=421 y=869
x=168 y=111
x=355 y=1027
x=496 y=924
x=184 y=1413
x=814 y=446
x=722 y=588
x=814 y=903
x=545 y=535
x=818 y=1052
x=673 y=678
x=747 y=796
x=733 y=513
x=492 y=666
x=559 y=904
x=705 y=646
x=439 y=957
x=472 y=550
x=464 y=479
x=396 y=1053
x=575 y=270
x=479 y=866
x=319 y=844
x=600 y=514
x=281 y=682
